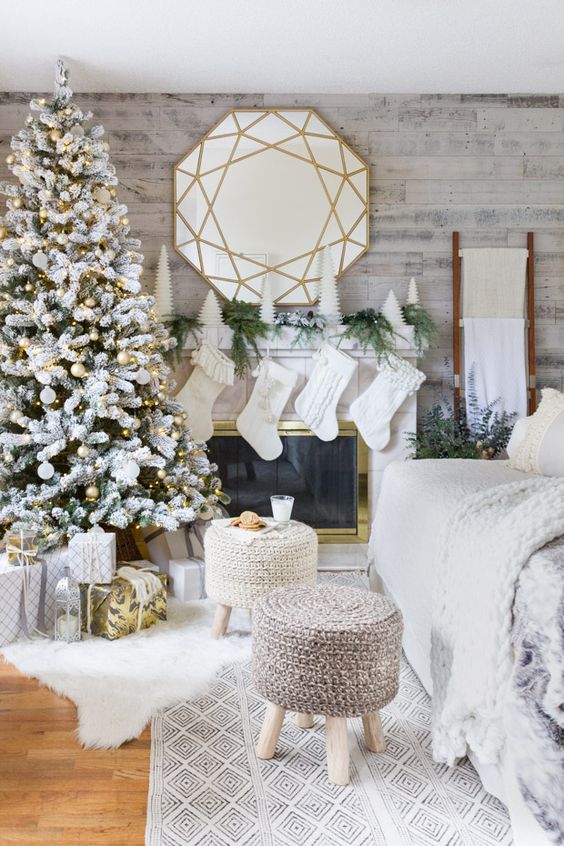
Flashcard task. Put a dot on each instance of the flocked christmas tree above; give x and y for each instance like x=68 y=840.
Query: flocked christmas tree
x=87 y=432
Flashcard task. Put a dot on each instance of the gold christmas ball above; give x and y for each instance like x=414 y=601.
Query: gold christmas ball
x=161 y=396
x=54 y=135
x=161 y=474
x=62 y=238
x=43 y=213
x=59 y=292
x=24 y=342
x=3 y=233
x=29 y=287
x=175 y=436
x=178 y=419
x=78 y=369
x=10 y=262
x=17 y=202
x=92 y=492
x=94 y=335
x=10 y=159
x=83 y=451
x=90 y=302
x=125 y=221
x=123 y=357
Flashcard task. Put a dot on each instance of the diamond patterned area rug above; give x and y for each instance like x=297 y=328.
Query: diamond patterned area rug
x=208 y=788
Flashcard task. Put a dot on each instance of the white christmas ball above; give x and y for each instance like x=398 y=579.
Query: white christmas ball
x=45 y=470
x=77 y=130
x=24 y=342
x=83 y=451
x=123 y=357
x=142 y=377
x=15 y=416
x=47 y=395
x=102 y=196
x=90 y=302
x=94 y=335
x=39 y=260
x=78 y=369
x=130 y=469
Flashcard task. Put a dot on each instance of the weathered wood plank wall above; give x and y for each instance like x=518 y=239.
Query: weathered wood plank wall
x=491 y=166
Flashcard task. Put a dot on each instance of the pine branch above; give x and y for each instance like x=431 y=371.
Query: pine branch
x=370 y=329
x=425 y=330
x=247 y=327
x=181 y=328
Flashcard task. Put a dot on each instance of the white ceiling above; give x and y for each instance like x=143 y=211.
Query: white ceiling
x=300 y=46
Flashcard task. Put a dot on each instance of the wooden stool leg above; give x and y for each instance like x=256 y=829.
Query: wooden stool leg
x=304 y=721
x=337 y=749
x=373 y=732
x=270 y=732
x=221 y=620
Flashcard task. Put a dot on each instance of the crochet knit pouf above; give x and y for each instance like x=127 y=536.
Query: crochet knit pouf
x=326 y=650
x=242 y=566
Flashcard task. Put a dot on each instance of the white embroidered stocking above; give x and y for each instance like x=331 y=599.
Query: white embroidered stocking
x=373 y=410
x=212 y=372
x=258 y=422
x=317 y=403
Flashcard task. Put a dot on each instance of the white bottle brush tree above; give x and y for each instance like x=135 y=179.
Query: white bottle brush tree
x=88 y=433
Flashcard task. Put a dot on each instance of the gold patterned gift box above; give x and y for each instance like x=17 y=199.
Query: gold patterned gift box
x=113 y=610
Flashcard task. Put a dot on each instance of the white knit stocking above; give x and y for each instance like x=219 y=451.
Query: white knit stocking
x=258 y=422
x=373 y=410
x=212 y=372
x=317 y=403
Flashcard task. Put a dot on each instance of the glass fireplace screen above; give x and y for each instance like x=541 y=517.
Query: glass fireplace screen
x=328 y=480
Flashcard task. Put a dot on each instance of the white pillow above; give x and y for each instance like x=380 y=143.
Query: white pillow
x=517 y=435
x=542 y=449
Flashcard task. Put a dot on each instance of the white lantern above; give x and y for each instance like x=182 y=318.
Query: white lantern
x=67 y=609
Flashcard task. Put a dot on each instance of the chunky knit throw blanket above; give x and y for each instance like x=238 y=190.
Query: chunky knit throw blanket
x=488 y=540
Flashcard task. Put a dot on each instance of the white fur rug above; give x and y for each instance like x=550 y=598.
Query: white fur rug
x=119 y=685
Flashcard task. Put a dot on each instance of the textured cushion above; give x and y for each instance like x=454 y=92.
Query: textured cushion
x=518 y=435
x=542 y=448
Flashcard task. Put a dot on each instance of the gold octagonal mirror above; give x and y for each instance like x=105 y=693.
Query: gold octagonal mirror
x=264 y=192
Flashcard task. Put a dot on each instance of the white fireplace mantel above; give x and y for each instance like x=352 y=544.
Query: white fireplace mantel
x=233 y=399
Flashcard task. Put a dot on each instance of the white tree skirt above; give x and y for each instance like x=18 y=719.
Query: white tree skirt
x=119 y=685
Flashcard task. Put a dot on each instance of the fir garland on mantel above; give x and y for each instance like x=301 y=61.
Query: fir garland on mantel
x=367 y=326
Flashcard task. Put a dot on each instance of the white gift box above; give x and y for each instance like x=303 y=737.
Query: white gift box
x=187 y=578
x=92 y=556
x=11 y=594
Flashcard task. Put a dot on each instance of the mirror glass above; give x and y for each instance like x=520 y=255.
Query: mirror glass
x=264 y=192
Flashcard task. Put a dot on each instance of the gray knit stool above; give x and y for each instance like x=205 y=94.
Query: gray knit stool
x=326 y=650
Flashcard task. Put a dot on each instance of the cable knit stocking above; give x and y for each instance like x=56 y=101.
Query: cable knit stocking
x=317 y=403
x=373 y=410
x=212 y=372
x=258 y=422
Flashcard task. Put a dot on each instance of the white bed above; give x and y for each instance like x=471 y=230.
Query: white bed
x=415 y=502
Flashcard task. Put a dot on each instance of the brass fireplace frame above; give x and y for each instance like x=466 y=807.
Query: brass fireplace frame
x=347 y=428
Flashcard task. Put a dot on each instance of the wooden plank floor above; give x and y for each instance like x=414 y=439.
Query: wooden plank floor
x=54 y=792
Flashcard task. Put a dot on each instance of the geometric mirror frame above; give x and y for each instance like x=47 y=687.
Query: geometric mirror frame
x=262 y=193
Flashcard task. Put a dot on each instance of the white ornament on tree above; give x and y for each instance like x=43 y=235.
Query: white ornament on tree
x=142 y=377
x=210 y=313
x=391 y=310
x=328 y=305
x=267 y=311
x=412 y=293
x=39 y=260
x=164 y=304
x=102 y=196
x=46 y=470
x=47 y=395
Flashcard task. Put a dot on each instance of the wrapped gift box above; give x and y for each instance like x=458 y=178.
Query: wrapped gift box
x=187 y=577
x=12 y=625
x=92 y=556
x=112 y=610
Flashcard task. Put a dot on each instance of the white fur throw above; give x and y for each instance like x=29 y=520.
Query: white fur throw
x=488 y=540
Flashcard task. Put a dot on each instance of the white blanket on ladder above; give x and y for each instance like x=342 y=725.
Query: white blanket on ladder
x=494 y=359
x=488 y=540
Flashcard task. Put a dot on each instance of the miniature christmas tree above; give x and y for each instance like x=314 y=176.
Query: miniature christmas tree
x=88 y=434
x=392 y=310
x=412 y=293
x=329 y=305
x=210 y=313
x=267 y=312
x=164 y=304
